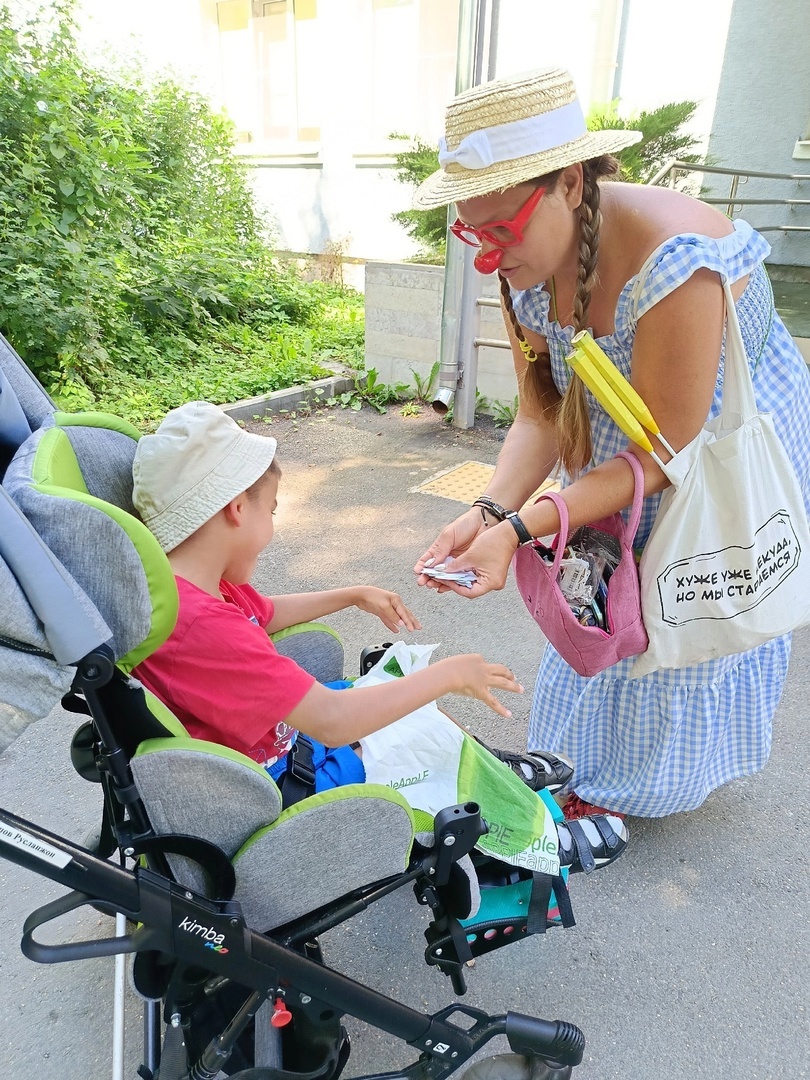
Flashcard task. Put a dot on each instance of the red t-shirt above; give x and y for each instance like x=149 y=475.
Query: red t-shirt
x=222 y=677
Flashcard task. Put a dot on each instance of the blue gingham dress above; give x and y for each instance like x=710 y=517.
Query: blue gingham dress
x=659 y=744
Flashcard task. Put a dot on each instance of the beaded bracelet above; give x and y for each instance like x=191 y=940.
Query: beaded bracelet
x=490 y=506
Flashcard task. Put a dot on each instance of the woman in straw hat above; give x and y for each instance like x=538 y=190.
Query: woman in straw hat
x=642 y=268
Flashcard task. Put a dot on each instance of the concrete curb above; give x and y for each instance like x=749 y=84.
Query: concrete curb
x=290 y=398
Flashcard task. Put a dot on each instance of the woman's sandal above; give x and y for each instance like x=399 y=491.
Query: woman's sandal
x=540 y=770
x=589 y=843
x=574 y=807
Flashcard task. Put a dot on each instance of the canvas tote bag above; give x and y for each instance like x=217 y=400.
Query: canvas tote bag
x=727 y=563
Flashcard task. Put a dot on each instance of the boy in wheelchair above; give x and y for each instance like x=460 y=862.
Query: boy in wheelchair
x=208 y=490
x=223 y=913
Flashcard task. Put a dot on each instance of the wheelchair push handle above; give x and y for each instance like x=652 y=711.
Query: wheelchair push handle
x=551 y=1040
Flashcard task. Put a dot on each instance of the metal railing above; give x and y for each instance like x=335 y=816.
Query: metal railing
x=732 y=201
x=485 y=342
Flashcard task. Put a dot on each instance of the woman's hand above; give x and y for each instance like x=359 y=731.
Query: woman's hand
x=475 y=677
x=388 y=607
x=489 y=557
x=454 y=539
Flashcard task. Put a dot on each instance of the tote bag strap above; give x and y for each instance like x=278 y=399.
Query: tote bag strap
x=562 y=508
x=738 y=389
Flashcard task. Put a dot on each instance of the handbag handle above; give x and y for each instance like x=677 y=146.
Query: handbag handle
x=635 y=510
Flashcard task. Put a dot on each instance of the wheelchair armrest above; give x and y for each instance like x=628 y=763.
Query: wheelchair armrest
x=457 y=829
x=212 y=859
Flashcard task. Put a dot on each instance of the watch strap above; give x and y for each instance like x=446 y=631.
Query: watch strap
x=523 y=534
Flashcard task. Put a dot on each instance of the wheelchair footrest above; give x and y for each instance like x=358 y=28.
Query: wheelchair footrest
x=481 y=938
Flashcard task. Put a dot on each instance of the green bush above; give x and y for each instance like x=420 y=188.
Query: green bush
x=663 y=137
x=427 y=227
x=135 y=269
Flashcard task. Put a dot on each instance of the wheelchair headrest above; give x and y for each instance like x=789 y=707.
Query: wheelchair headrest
x=24 y=404
x=72 y=481
x=77 y=569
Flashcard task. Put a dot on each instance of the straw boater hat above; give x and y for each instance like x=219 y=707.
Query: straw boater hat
x=511 y=130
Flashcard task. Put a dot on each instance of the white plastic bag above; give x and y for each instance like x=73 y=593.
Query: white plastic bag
x=420 y=750
x=433 y=763
x=727 y=564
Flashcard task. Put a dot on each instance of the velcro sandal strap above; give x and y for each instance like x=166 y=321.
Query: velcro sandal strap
x=586 y=856
x=608 y=834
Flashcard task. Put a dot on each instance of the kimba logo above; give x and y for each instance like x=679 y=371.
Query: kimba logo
x=212 y=939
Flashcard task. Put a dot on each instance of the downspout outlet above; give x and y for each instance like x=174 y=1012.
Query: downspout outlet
x=443 y=399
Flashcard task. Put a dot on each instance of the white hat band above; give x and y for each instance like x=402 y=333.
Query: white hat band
x=520 y=138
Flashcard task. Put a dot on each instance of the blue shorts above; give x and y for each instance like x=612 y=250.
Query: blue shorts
x=334 y=767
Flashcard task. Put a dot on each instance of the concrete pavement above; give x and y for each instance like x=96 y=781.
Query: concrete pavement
x=690 y=957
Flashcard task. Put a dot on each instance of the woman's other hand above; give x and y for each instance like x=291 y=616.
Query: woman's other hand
x=389 y=608
x=453 y=540
x=489 y=557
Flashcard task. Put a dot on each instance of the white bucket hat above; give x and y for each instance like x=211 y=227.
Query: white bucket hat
x=508 y=131
x=194 y=464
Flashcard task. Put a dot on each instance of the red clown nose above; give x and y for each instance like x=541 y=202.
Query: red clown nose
x=489 y=263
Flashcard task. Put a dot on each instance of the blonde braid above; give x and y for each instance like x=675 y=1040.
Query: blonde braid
x=573 y=419
x=571 y=411
x=537 y=381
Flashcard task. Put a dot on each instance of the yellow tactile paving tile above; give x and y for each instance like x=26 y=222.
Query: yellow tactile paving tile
x=465 y=482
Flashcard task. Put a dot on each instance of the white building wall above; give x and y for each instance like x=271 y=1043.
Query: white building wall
x=354 y=208
x=674 y=52
x=763 y=108
x=370 y=67
x=165 y=34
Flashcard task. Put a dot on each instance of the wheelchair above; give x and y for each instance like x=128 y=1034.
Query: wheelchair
x=196 y=857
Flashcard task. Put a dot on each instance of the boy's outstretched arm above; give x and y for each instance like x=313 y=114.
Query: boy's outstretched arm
x=338 y=717
x=303 y=607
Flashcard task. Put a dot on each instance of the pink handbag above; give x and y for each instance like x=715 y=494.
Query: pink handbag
x=588 y=649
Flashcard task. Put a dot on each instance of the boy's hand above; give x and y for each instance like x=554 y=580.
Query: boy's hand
x=477 y=678
x=388 y=607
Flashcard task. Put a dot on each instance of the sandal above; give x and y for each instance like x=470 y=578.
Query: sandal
x=540 y=770
x=589 y=843
x=575 y=808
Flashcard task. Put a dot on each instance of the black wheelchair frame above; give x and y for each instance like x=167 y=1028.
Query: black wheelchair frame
x=192 y=947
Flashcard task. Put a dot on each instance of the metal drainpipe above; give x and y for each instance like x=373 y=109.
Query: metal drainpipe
x=621 y=45
x=458 y=371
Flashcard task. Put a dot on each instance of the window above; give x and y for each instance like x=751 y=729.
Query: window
x=267 y=47
x=408 y=62
x=287 y=44
x=360 y=69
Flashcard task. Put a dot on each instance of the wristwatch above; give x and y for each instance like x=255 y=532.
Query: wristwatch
x=523 y=534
